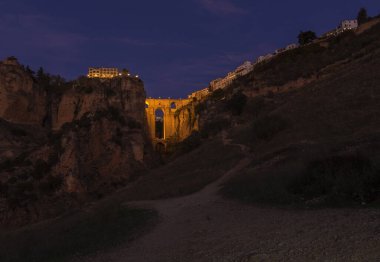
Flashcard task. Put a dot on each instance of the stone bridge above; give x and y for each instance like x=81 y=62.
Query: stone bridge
x=165 y=118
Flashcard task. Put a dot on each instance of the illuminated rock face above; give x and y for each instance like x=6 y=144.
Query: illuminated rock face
x=95 y=128
x=125 y=94
x=178 y=119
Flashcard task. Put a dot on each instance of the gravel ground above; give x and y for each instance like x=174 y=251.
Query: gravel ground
x=206 y=227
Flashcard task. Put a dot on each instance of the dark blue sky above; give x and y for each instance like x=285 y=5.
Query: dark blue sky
x=176 y=46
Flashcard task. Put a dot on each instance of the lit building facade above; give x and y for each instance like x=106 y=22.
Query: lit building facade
x=101 y=72
x=348 y=24
x=221 y=83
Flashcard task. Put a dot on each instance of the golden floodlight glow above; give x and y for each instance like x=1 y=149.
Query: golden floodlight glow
x=102 y=72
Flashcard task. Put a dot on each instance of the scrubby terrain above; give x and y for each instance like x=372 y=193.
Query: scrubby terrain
x=317 y=143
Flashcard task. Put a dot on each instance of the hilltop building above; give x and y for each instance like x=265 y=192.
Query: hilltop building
x=342 y=27
x=221 y=83
x=102 y=72
x=199 y=95
x=264 y=58
x=348 y=25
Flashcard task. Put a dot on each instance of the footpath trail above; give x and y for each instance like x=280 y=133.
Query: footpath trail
x=206 y=227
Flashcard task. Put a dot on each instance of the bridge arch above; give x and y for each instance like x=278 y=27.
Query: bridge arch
x=159 y=123
x=169 y=107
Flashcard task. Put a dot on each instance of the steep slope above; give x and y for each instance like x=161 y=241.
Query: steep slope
x=311 y=120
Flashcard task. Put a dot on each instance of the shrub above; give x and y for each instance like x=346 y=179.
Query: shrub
x=110 y=92
x=265 y=128
x=217 y=94
x=191 y=142
x=339 y=179
x=18 y=132
x=41 y=169
x=116 y=115
x=111 y=113
x=255 y=106
x=133 y=124
x=331 y=181
x=237 y=103
x=200 y=107
x=213 y=127
x=88 y=90
x=50 y=184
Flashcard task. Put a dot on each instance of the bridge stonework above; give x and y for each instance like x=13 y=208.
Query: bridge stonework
x=174 y=117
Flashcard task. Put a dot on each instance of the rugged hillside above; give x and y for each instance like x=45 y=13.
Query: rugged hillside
x=63 y=143
x=311 y=119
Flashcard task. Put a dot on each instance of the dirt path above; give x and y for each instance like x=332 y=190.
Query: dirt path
x=205 y=227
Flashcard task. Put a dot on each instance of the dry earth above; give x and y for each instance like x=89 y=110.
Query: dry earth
x=206 y=227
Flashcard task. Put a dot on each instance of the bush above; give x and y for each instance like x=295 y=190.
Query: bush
x=267 y=127
x=41 y=169
x=199 y=108
x=133 y=124
x=339 y=179
x=213 y=127
x=77 y=235
x=217 y=94
x=255 y=106
x=191 y=142
x=18 y=132
x=109 y=92
x=111 y=113
x=87 y=90
x=332 y=181
x=50 y=184
x=237 y=103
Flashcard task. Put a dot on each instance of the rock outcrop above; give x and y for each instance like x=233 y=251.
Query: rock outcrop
x=60 y=141
x=20 y=102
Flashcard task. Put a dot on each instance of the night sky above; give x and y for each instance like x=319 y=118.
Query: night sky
x=176 y=46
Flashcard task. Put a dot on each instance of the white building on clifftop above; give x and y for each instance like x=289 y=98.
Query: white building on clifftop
x=348 y=24
x=222 y=83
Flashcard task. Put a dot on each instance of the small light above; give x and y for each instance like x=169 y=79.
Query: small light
x=137 y=76
x=129 y=74
x=119 y=74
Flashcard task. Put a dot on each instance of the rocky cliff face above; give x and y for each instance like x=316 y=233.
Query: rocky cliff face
x=19 y=101
x=60 y=141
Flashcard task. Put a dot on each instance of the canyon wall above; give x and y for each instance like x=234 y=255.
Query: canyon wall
x=86 y=137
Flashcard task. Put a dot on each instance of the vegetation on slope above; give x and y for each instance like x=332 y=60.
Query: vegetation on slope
x=318 y=145
x=187 y=174
x=307 y=61
x=76 y=235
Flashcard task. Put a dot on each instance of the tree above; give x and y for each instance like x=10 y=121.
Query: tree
x=362 y=16
x=306 y=37
x=40 y=73
x=29 y=71
x=43 y=79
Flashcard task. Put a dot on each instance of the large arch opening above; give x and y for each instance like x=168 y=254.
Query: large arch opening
x=159 y=119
